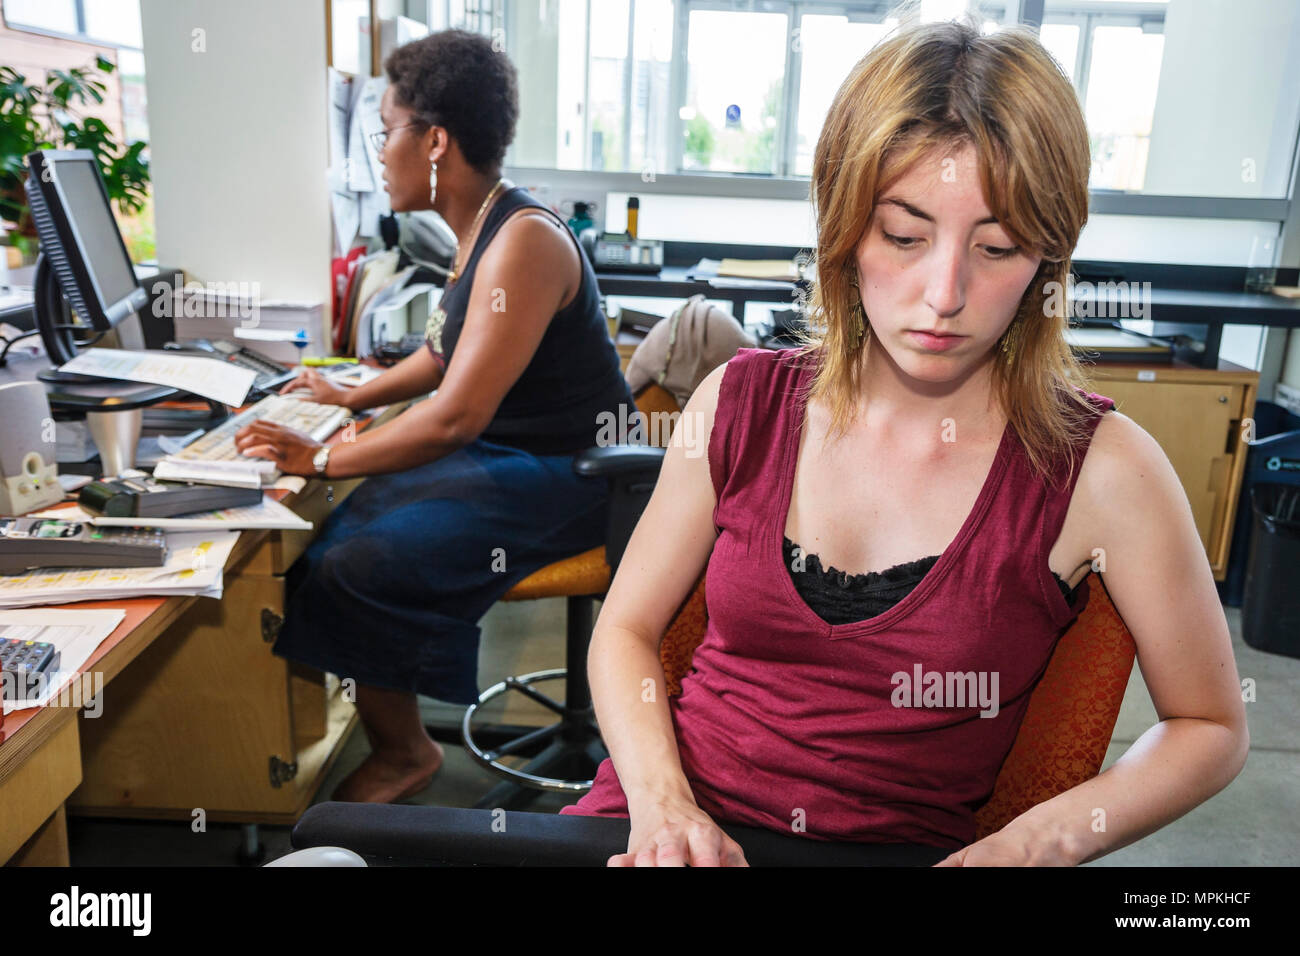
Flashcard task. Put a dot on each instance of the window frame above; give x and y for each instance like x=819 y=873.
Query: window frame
x=783 y=184
x=79 y=8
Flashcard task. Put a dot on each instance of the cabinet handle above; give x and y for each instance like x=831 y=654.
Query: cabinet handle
x=1223 y=399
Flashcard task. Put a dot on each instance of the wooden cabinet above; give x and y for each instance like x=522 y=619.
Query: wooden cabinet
x=206 y=717
x=1198 y=416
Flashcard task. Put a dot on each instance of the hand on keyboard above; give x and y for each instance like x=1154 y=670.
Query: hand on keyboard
x=290 y=449
x=314 y=386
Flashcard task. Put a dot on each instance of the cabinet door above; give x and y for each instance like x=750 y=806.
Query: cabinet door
x=197 y=717
x=1196 y=425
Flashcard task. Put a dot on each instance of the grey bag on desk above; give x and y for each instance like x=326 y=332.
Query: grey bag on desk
x=685 y=347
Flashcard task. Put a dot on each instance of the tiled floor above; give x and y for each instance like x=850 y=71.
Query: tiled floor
x=1255 y=820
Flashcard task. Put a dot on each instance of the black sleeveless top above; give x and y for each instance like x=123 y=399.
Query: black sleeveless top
x=573 y=381
x=841 y=598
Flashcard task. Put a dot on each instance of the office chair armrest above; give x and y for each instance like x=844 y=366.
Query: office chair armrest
x=400 y=833
x=632 y=471
x=613 y=461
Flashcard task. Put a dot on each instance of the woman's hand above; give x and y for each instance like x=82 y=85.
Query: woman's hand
x=1024 y=845
x=319 y=389
x=290 y=449
x=677 y=833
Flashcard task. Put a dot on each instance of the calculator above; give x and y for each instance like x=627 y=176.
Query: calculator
x=24 y=666
x=27 y=543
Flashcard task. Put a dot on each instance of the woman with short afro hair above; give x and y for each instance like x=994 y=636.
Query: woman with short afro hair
x=476 y=486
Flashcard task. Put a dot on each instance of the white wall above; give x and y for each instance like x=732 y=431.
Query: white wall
x=237 y=120
x=1229 y=92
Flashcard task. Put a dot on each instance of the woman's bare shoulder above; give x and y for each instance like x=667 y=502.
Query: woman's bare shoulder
x=1125 y=470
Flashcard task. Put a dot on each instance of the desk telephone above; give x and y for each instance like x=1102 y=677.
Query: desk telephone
x=28 y=543
x=270 y=373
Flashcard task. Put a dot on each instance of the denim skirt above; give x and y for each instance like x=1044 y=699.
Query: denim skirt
x=391 y=592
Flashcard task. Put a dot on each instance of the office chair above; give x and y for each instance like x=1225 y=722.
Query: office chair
x=565 y=754
x=1061 y=743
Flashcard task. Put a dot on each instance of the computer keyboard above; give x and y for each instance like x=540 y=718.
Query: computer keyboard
x=318 y=421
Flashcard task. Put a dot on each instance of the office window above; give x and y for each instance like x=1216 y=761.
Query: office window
x=56 y=16
x=1124 y=74
x=829 y=47
x=716 y=87
x=731 y=112
x=748 y=95
x=83 y=29
x=628 y=85
x=103 y=22
x=1113 y=55
x=1164 y=80
x=1062 y=41
x=116 y=22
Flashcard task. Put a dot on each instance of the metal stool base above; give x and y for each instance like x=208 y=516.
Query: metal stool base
x=572 y=745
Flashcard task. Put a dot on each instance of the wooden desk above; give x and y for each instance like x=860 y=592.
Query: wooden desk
x=197 y=713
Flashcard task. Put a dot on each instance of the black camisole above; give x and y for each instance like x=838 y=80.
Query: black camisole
x=840 y=598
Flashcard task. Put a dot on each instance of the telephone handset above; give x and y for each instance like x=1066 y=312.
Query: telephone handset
x=270 y=373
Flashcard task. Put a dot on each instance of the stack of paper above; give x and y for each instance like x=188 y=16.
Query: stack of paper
x=775 y=269
x=282 y=330
x=194 y=563
x=220 y=381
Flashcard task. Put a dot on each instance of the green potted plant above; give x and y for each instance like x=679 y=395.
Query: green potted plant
x=49 y=117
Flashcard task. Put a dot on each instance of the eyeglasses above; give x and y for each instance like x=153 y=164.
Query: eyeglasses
x=378 y=139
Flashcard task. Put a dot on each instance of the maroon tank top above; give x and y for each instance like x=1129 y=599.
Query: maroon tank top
x=887 y=730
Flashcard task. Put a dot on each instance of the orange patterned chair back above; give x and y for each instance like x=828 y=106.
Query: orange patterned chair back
x=1067 y=725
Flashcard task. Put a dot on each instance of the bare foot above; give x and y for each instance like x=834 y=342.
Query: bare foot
x=387 y=778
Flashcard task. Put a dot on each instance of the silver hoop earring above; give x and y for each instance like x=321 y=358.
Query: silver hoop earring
x=433 y=181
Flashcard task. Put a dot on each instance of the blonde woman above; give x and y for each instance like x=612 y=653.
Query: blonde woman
x=921 y=489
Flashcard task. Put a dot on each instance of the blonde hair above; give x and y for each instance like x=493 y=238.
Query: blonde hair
x=937 y=86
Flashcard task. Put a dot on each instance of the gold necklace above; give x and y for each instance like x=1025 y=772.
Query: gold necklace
x=455 y=269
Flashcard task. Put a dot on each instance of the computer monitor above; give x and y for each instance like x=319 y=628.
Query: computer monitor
x=82 y=250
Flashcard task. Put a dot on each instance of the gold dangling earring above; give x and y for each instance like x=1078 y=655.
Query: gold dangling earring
x=858 y=316
x=1009 y=342
x=433 y=181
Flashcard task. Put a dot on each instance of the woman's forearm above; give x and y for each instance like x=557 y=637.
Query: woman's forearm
x=627 y=688
x=1176 y=765
x=417 y=374
x=423 y=433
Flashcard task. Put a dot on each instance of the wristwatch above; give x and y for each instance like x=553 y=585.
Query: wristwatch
x=321 y=459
